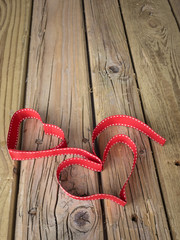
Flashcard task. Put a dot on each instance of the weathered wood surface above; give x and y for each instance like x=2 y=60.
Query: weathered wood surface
x=175 y=6
x=58 y=87
x=14 y=38
x=156 y=55
x=115 y=92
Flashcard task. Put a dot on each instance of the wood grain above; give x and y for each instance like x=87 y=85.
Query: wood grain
x=14 y=38
x=175 y=5
x=115 y=92
x=156 y=55
x=58 y=88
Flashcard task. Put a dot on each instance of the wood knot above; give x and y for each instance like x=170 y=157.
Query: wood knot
x=153 y=23
x=39 y=141
x=114 y=69
x=82 y=219
x=85 y=140
x=141 y=152
x=16 y=170
x=64 y=176
x=146 y=10
x=32 y=211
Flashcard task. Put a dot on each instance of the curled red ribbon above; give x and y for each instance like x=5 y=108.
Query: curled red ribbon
x=88 y=160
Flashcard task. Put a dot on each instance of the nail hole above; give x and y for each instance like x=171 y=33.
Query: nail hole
x=177 y=163
x=134 y=217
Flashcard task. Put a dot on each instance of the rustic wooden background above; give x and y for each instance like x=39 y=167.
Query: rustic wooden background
x=77 y=62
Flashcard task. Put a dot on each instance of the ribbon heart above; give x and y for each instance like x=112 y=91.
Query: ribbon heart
x=87 y=160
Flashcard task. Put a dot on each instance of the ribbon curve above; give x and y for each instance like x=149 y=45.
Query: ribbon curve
x=88 y=160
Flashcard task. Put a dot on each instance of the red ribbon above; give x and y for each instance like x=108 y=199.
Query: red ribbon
x=87 y=160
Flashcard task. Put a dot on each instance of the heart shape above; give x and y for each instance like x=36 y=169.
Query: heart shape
x=28 y=113
x=88 y=160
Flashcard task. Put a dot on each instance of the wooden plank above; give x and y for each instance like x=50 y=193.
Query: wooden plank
x=175 y=5
x=58 y=87
x=115 y=92
x=156 y=54
x=14 y=38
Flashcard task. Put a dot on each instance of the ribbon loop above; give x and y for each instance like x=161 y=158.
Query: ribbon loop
x=127 y=121
x=87 y=160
